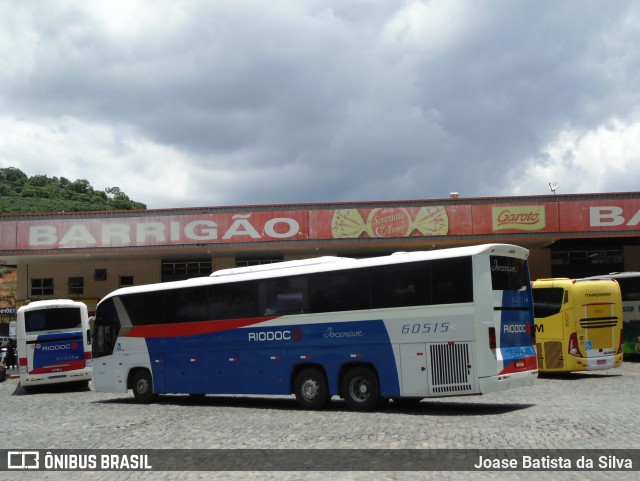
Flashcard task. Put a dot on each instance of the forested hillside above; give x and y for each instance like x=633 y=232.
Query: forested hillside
x=20 y=194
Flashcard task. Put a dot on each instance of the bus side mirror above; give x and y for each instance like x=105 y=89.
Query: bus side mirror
x=89 y=336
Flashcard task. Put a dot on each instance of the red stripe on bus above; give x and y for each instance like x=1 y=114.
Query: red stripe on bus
x=530 y=364
x=193 y=328
x=63 y=367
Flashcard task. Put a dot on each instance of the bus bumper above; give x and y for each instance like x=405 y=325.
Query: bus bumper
x=27 y=380
x=600 y=363
x=507 y=381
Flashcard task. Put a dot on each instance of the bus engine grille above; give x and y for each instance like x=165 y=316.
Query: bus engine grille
x=450 y=368
x=553 y=358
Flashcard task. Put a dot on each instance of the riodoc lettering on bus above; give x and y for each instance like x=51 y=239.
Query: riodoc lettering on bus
x=266 y=336
x=516 y=328
x=56 y=347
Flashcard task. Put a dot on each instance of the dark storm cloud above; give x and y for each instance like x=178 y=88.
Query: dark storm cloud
x=246 y=102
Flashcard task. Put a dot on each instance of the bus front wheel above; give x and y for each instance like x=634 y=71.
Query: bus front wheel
x=311 y=389
x=142 y=386
x=360 y=389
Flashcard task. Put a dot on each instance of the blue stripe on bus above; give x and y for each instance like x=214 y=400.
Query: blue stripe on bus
x=516 y=326
x=52 y=351
x=257 y=360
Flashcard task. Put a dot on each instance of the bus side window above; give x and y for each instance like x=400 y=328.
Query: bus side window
x=351 y=290
x=630 y=288
x=287 y=295
x=321 y=301
x=187 y=305
x=233 y=301
x=401 y=285
x=452 y=280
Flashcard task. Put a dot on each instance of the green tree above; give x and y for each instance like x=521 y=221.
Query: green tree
x=21 y=194
x=12 y=175
x=81 y=186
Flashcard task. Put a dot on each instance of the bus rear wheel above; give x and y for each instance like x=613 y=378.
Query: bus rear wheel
x=360 y=389
x=142 y=385
x=311 y=389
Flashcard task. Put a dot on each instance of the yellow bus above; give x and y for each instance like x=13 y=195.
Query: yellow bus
x=630 y=287
x=578 y=324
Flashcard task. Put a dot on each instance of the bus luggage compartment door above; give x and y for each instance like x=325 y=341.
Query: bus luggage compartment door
x=183 y=371
x=413 y=367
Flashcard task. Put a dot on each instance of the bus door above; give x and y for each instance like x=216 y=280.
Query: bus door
x=595 y=331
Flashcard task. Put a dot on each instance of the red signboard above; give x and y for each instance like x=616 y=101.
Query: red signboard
x=72 y=233
x=600 y=215
x=423 y=220
x=8 y=235
x=386 y=222
x=511 y=218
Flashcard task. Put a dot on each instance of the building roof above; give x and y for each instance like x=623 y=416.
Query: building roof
x=316 y=228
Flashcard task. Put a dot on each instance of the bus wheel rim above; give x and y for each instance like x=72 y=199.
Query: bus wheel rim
x=143 y=386
x=359 y=389
x=310 y=389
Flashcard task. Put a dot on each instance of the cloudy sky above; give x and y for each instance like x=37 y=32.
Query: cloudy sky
x=186 y=103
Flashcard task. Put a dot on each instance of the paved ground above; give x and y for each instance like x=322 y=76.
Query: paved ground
x=577 y=411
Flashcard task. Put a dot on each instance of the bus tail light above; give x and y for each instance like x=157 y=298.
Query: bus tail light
x=574 y=350
x=492 y=340
x=621 y=341
x=533 y=333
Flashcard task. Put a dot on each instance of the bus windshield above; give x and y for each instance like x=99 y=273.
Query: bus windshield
x=509 y=273
x=52 y=319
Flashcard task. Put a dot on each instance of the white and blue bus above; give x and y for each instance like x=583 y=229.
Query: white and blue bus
x=409 y=325
x=53 y=343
